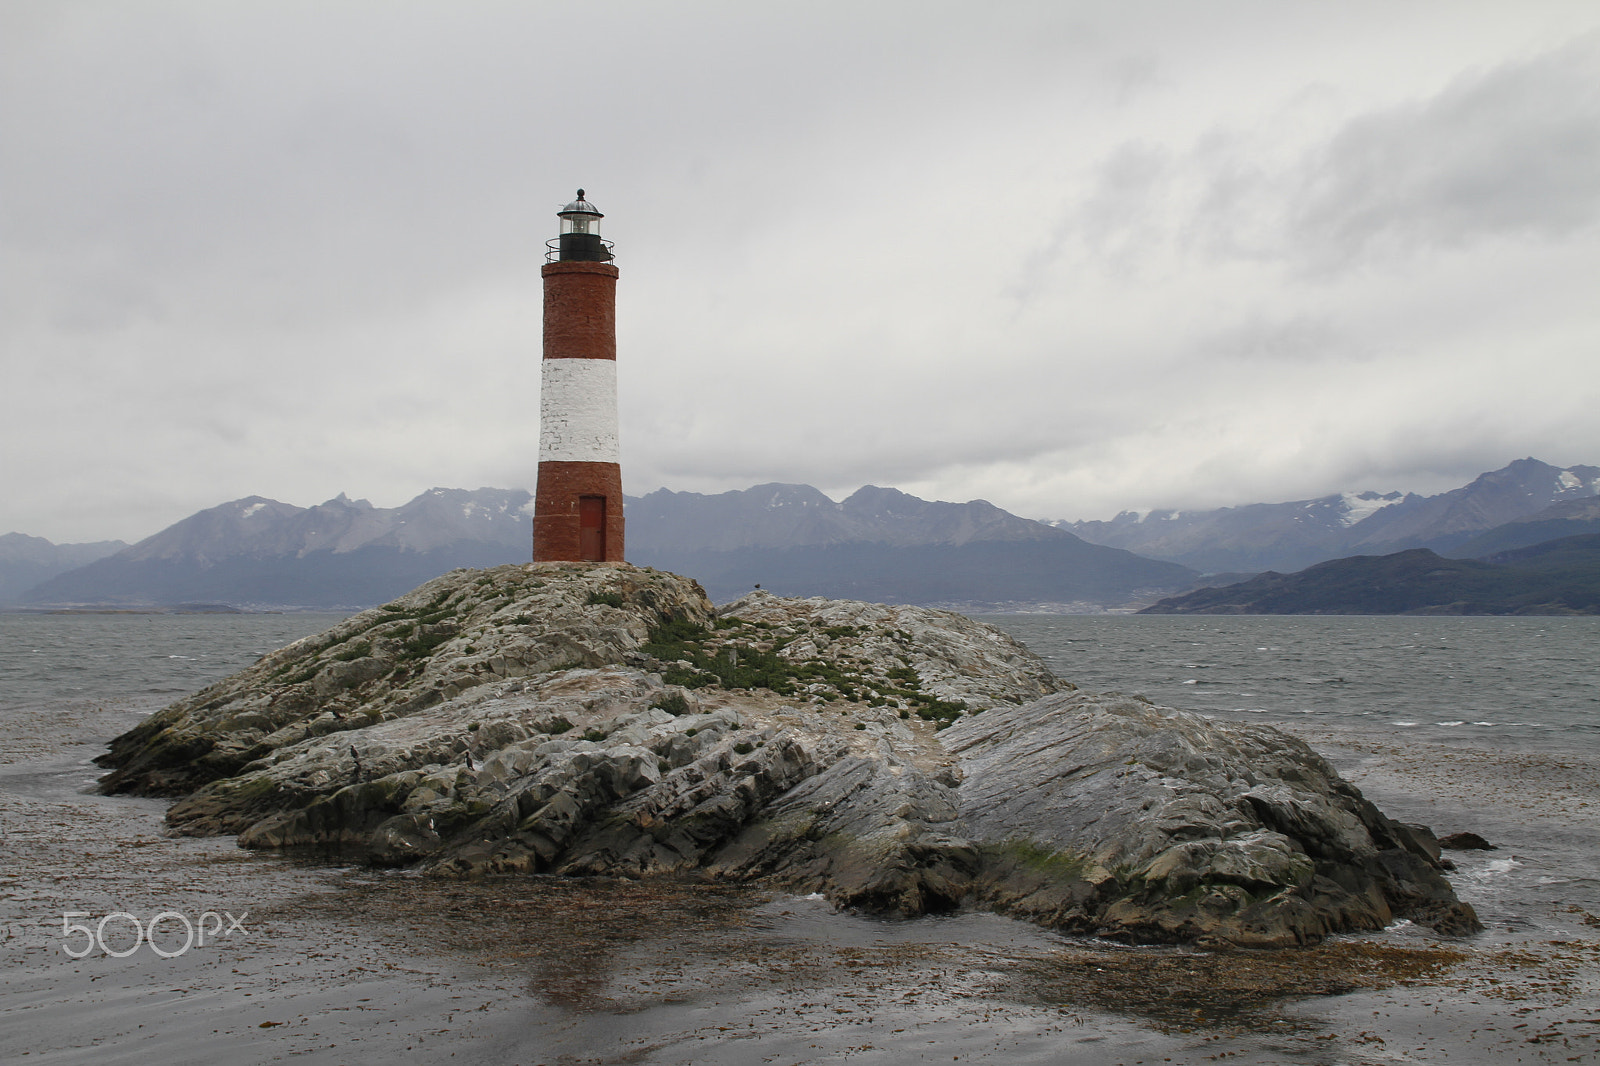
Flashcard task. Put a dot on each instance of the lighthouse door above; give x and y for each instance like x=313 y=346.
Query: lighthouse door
x=592 y=528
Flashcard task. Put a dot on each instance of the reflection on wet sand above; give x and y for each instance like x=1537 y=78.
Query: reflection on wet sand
x=345 y=963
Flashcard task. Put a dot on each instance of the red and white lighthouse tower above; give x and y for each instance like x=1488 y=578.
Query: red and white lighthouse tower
x=577 y=509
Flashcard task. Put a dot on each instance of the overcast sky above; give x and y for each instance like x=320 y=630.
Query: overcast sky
x=1067 y=257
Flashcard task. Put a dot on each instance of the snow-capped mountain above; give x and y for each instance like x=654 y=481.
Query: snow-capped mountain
x=1291 y=536
x=1442 y=522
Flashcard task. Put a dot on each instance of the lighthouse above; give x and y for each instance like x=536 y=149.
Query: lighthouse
x=577 y=509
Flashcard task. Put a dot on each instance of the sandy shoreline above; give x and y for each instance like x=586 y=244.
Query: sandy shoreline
x=344 y=965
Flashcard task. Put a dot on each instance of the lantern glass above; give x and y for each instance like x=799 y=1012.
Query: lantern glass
x=580 y=223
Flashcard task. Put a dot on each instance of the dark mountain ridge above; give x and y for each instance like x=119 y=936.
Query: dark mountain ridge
x=1555 y=577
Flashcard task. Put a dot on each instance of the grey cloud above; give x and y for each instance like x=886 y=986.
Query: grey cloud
x=1515 y=150
x=1127 y=210
x=1511 y=150
x=1302 y=338
x=1117 y=220
x=104 y=300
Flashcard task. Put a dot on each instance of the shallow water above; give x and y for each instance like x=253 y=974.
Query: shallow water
x=345 y=964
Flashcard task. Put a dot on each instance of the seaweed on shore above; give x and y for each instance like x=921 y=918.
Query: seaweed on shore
x=1205 y=989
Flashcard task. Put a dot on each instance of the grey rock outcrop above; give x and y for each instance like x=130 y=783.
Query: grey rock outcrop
x=1108 y=814
x=951 y=656
x=455 y=633
x=1466 y=842
x=603 y=719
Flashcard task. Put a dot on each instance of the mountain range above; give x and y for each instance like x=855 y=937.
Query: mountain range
x=342 y=553
x=26 y=561
x=1291 y=536
x=878 y=544
x=886 y=546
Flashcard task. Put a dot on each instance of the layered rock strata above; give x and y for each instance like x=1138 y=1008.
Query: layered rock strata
x=602 y=719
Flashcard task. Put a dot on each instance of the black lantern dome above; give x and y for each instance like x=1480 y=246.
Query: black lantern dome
x=580 y=233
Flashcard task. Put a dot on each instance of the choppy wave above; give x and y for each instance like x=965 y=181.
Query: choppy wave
x=1533 y=683
x=47 y=658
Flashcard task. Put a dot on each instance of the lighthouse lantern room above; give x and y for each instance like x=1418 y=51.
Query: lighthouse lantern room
x=577 y=510
x=580 y=233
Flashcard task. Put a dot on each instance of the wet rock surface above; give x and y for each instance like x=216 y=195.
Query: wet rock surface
x=606 y=720
x=1103 y=813
x=1466 y=841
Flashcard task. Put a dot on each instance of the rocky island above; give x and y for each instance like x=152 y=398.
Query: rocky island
x=602 y=719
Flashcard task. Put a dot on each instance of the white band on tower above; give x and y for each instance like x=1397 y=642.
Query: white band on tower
x=578 y=411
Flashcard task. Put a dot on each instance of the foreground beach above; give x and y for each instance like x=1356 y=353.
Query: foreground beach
x=335 y=964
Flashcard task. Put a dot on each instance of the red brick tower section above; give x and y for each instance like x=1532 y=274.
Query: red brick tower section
x=577 y=511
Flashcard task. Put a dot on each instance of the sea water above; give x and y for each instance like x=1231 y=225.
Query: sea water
x=1527 y=683
x=135 y=658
